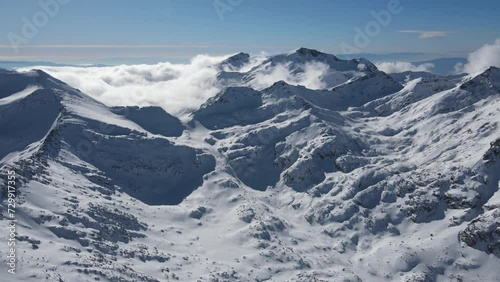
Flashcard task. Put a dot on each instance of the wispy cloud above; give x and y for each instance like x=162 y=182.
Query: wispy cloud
x=397 y=67
x=424 y=34
x=481 y=59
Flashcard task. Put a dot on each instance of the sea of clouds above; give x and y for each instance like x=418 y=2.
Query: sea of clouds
x=175 y=87
x=178 y=88
x=181 y=88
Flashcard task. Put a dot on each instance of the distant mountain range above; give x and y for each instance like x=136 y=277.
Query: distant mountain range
x=444 y=66
x=26 y=64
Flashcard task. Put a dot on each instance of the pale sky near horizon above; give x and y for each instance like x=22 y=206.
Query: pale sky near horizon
x=94 y=31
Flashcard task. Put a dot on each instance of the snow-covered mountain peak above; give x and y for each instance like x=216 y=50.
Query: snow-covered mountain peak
x=231 y=99
x=303 y=66
x=490 y=78
x=238 y=57
x=235 y=62
x=280 y=85
x=304 y=55
x=305 y=52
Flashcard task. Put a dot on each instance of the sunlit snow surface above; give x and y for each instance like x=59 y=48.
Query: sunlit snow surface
x=377 y=178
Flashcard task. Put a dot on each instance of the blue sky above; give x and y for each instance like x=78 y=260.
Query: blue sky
x=95 y=31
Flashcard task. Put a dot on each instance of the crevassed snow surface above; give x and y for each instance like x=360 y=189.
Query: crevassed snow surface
x=379 y=178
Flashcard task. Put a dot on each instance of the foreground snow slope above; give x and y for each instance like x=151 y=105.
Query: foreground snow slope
x=376 y=179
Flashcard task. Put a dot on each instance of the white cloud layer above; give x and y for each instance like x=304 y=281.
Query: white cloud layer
x=425 y=34
x=397 y=67
x=175 y=87
x=481 y=59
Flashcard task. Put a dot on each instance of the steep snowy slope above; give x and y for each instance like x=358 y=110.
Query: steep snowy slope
x=153 y=119
x=66 y=124
x=375 y=178
x=23 y=95
x=235 y=62
x=417 y=86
